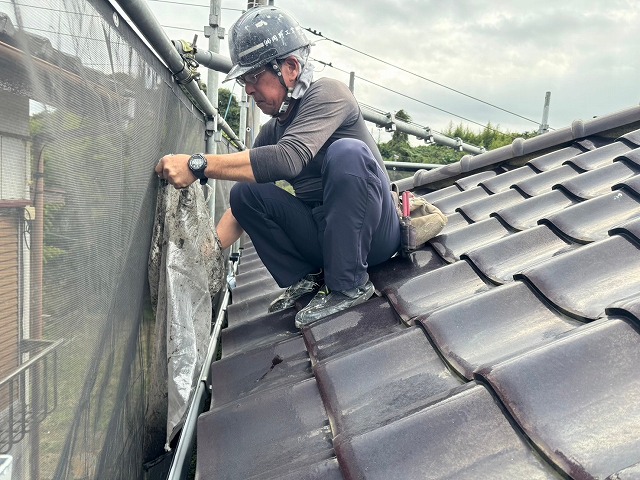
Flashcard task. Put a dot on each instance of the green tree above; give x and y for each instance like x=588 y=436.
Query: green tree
x=398 y=136
x=398 y=148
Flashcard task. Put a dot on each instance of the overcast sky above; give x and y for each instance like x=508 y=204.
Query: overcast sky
x=505 y=53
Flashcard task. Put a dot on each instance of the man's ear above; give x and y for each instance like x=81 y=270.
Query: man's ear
x=291 y=68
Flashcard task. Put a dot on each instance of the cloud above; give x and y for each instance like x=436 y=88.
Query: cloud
x=504 y=53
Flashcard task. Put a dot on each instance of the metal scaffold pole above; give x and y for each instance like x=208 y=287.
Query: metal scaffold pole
x=544 y=125
x=214 y=32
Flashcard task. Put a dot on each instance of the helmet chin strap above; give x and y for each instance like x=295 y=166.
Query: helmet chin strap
x=287 y=101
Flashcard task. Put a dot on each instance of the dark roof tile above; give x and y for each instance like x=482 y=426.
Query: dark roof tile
x=632 y=137
x=259 y=331
x=555 y=159
x=632 y=156
x=576 y=398
x=465 y=436
x=262 y=368
x=244 y=311
x=600 y=157
x=480 y=209
x=257 y=285
x=526 y=214
x=387 y=379
x=504 y=181
x=493 y=326
x=501 y=260
x=627 y=307
x=543 y=329
x=452 y=245
x=590 y=220
x=328 y=469
x=399 y=269
x=449 y=204
x=425 y=293
x=369 y=321
x=631 y=184
x=251 y=262
x=543 y=182
x=631 y=229
x=585 y=281
x=263 y=432
x=454 y=222
x=257 y=274
x=596 y=182
x=442 y=193
x=474 y=180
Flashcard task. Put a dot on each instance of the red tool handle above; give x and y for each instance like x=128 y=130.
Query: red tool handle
x=406 y=209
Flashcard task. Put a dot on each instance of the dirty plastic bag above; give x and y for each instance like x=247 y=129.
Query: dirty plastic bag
x=186 y=270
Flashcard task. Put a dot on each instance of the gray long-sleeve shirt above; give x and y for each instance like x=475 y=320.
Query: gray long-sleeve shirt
x=294 y=150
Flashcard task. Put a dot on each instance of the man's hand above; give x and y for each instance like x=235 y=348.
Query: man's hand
x=175 y=170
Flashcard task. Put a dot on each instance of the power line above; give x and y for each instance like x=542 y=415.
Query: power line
x=416 y=99
x=319 y=34
x=187 y=4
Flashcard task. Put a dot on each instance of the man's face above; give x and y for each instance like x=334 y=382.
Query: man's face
x=267 y=91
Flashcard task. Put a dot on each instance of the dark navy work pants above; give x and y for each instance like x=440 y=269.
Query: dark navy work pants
x=356 y=225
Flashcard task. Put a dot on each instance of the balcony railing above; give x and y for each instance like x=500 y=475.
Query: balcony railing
x=30 y=392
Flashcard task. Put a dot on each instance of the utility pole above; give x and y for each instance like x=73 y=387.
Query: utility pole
x=544 y=125
x=352 y=81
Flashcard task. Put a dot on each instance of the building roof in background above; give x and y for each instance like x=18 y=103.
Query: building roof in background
x=507 y=347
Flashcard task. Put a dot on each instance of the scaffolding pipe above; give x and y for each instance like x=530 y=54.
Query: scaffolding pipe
x=388 y=121
x=211 y=60
x=148 y=25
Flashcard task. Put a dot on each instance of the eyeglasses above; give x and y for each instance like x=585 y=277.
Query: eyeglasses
x=250 y=78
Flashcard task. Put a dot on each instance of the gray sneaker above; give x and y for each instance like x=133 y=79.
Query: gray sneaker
x=309 y=284
x=327 y=302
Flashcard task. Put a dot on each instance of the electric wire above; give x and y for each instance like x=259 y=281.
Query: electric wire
x=319 y=34
x=417 y=100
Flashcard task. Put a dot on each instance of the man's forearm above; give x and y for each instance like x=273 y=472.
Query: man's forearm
x=231 y=166
x=228 y=229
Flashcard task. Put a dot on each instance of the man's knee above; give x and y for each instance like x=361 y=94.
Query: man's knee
x=235 y=196
x=348 y=156
x=242 y=198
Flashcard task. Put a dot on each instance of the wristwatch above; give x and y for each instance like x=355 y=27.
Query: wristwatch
x=197 y=164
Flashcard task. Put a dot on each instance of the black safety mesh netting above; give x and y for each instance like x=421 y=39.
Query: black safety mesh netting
x=86 y=110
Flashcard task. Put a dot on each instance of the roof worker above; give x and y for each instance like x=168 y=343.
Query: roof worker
x=342 y=218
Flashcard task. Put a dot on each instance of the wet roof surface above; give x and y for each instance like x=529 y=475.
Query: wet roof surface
x=507 y=347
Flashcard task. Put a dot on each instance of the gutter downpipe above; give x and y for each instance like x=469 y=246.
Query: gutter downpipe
x=146 y=22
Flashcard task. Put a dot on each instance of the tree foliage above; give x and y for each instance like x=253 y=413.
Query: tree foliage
x=398 y=148
x=230 y=111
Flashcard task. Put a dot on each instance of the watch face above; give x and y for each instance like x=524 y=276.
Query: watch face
x=197 y=162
